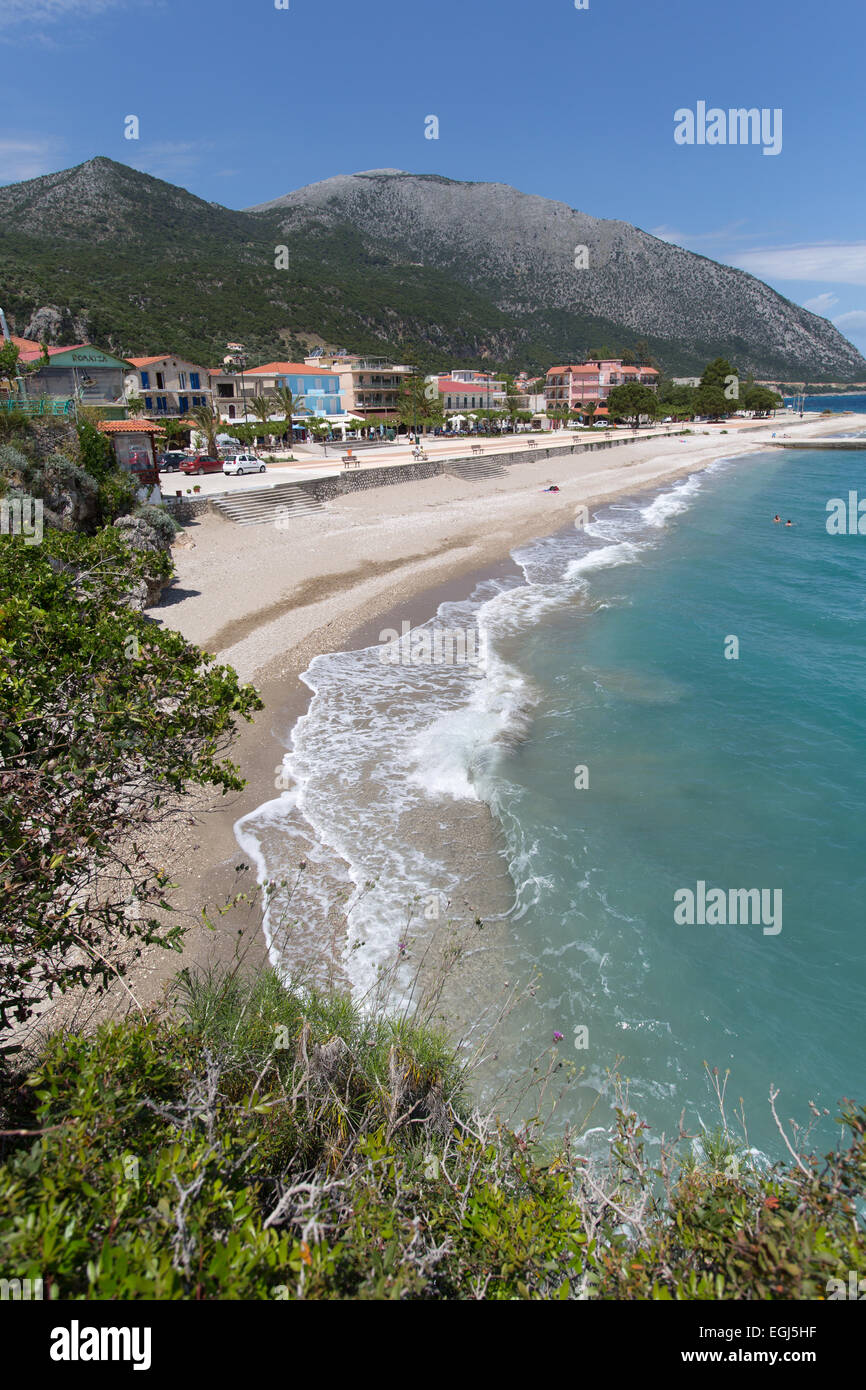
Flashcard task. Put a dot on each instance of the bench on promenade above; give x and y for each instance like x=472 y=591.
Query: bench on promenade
x=477 y=449
x=531 y=444
x=349 y=459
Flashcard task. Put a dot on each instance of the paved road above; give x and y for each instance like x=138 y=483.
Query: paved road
x=310 y=462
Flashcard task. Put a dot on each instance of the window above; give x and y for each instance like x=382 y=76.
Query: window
x=181 y=380
x=226 y=392
x=148 y=400
x=183 y=404
x=160 y=381
x=194 y=381
x=145 y=380
x=197 y=400
x=161 y=405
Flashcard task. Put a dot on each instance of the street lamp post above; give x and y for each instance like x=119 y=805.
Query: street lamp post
x=238 y=358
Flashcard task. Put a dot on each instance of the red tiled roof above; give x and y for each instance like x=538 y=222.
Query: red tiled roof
x=146 y=361
x=283 y=368
x=30 y=351
x=129 y=427
x=23 y=344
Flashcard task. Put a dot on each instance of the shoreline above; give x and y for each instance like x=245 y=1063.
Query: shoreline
x=271 y=637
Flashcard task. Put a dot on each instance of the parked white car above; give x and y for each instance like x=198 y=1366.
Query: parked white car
x=243 y=463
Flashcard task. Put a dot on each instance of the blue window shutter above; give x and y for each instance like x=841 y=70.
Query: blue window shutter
x=183 y=404
x=145 y=380
x=194 y=381
x=148 y=402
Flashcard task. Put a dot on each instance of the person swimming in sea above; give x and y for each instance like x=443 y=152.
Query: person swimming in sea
x=789 y=523
x=777 y=517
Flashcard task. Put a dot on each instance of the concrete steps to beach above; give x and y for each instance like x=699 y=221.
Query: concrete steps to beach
x=268 y=504
x=473 y=469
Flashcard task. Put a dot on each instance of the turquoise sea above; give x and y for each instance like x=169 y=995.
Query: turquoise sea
x=834 y=402
x=737 y=764
x=739 y=773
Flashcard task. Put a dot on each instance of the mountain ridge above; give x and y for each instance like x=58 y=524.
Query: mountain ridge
x=378 y=260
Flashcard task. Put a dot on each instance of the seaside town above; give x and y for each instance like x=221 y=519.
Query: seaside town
x=432 y=661
x=166 y=414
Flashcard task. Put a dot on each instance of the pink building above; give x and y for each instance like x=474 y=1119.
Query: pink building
x=569 y=388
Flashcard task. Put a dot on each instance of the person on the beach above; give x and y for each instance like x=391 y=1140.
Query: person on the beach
x=554 y=488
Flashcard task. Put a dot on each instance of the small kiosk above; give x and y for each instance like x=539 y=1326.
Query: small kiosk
x=135 y=446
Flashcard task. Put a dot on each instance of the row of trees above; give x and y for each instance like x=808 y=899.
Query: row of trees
x=721 y=393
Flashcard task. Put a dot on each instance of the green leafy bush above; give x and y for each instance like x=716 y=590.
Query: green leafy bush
x=161 y=521
x=275 y=1142
x=118 y=495
x=229 y=1159
x=96 y=452
x=104 y=718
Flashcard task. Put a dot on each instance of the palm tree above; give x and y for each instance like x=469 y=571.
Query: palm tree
x=290 y=404
x=208 y=422
x=173 y=430
x=262 y=407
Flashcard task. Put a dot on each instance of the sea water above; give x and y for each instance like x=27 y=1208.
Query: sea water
x=672 y=696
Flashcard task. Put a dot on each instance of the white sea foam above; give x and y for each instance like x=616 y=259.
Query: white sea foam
x=383 y=745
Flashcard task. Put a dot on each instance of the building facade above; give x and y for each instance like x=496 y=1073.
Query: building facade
x=468 y=390
x=570 y=387
x=369 y=385
x=318 y=392
x=82 y=373
x=170 y=386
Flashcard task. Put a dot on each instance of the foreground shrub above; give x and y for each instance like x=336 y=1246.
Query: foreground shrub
x=278 y=1143
x=105 y=720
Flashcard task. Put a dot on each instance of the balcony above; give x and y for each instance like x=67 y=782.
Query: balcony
x=44 y=406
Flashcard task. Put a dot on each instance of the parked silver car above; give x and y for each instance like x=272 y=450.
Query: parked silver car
x=243 y=463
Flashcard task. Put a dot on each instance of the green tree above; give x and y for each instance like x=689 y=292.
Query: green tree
x=290 y=405
x=262 y=407
x=208 y=423
x=419 y=407
x=174 y=431
x=630 y=401
x=711 y=401
x=106 y=719
x=719 y=392
x=13 y=370
x=512 y=400
x=761 y=400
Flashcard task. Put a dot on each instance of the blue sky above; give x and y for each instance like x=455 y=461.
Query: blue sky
x=242 y=102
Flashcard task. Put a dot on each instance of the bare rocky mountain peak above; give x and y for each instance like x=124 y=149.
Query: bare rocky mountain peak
x=522 y=247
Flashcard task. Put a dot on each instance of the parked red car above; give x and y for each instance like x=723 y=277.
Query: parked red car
x=202 y=463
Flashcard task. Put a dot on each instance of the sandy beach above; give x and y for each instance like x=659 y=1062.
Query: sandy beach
x=266 y=601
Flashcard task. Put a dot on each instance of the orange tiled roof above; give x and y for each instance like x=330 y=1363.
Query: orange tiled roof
x=129 y=427
x=283 y=368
